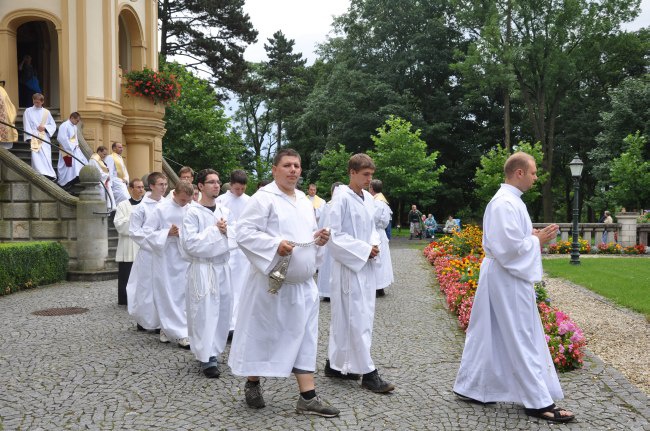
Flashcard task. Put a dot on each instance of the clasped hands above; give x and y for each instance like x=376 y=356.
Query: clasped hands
x=546 y=234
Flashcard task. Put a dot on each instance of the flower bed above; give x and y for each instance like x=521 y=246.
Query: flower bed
x=457 y=260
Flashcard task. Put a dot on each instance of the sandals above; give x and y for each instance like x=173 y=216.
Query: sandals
x=556 y=411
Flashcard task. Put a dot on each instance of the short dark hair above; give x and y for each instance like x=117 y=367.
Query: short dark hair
x=101 y=149
x=184 y=169
x=290 y=152
x=360 y=161
x=135 y=180
x=154 y=177
x=238 y=176
x=203 y=174
x=377 y=186
x=75 y=115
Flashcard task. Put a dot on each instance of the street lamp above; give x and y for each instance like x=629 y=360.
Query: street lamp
x=576 y=171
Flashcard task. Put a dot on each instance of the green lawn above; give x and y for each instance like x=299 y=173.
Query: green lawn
x=624 y=281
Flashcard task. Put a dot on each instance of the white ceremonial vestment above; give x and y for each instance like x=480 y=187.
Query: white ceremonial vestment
x=325 y=269
x=41 y=159
x=275 y=333
x=126 y=247
x=104 y=177
x=68 y=139
x=238 y=262
x=139 y=290
x=208 y=295
x=170 y=268
x=118 y=186
x=382 y=219
x=506 y=357
x=352 y=281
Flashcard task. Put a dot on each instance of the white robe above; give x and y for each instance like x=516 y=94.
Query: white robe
x=68 y=138
x=171 y=268
x=118 y=186
x=352 y=281
x=127 y=249
x=325 y=269
x=104 y=177
x=506 y=357
x=208 y=295
x=139 y=289
x=382 y=218
x=277 y=332
x=239 y=264
x=42 y=159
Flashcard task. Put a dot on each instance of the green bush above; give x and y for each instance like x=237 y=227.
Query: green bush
x=28 y=264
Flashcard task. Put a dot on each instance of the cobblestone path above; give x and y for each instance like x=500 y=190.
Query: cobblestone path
x=94 y=371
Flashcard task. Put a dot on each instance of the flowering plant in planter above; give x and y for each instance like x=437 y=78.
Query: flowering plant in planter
x=159 y=87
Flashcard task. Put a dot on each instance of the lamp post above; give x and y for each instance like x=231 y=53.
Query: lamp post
x=576 y=171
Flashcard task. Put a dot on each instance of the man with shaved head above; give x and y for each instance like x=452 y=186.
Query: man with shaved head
x=506 y=357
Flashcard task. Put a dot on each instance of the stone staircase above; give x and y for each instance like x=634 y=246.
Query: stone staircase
x=21 y=149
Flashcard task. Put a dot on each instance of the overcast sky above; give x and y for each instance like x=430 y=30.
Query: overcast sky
x=309 y=21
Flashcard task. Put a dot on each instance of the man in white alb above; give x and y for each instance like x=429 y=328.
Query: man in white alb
x=206 y=240
x=383 y=215
x=170 y=275
x=235 y=200
x=119 y=174
x=277 y=333
x=506 y=357
x=68 y=166
x=126 y=248
x=39 y=122
x=140 y=287
x=354 y=248
x=97 y=159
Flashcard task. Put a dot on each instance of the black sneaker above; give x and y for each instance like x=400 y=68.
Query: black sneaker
x=330 y=372
x=253 y=393
x=379 y=293
x=373 y=382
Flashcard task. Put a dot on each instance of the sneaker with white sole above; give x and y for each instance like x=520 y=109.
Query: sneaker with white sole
x=316 y=406
x=184 y=343
x=163 y=337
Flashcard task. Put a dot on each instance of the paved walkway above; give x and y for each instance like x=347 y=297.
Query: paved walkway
x=94 y=371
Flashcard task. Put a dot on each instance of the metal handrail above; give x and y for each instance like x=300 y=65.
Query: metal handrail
x=71 y=155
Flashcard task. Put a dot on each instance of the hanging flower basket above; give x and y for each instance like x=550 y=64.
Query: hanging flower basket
x=159 y=87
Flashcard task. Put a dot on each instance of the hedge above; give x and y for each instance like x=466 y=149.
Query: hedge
x=28 y=264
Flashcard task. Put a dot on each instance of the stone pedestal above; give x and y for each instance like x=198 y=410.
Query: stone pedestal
x=92 y=224
x=143 y=133
x=627 y=231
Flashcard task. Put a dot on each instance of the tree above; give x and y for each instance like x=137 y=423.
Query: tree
x=489 y=175
x=551 y=47
x=630 y=174
x=254 y=122
x=211 y=34
x=403 y=165
x=197 y=129
x=284 y=80
x=334 y=167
